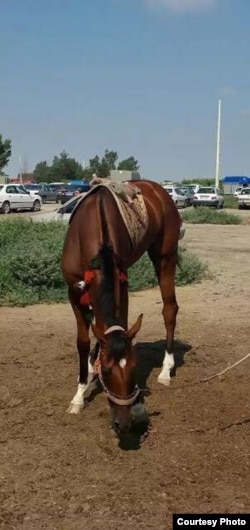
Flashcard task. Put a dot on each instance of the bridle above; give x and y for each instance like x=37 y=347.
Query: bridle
x=129 y=400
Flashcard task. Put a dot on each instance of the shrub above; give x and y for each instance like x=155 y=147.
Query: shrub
x=203 y=214
x=230 y=202
x=30 y=262
x=190 y=270
x=30 y=272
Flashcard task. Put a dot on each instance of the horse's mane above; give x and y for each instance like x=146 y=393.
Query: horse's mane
x=117 y=340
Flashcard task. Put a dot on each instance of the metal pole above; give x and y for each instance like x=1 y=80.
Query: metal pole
x=218 y=146
x=20 y=169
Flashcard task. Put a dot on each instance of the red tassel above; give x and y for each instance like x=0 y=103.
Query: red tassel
x=89 y=276
x=85 y=299
x=123 y=277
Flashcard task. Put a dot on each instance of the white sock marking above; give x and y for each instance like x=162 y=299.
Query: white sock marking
x=78 y=398
x=168 y=365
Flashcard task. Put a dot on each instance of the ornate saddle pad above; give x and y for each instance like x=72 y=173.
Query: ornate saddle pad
x=131 y=205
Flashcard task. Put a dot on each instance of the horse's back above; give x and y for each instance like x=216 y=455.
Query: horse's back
x=85 y=232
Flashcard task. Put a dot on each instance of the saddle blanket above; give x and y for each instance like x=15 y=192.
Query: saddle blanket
x=131 y=205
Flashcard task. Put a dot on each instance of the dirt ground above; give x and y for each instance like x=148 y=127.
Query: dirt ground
x=61 y=472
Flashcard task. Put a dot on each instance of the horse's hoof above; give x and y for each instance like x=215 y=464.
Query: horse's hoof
x=74 y=409
x=164 y=381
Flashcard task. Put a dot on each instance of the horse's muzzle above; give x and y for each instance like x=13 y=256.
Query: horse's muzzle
x=139 y=413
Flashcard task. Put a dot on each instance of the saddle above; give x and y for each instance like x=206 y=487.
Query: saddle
x=131 y=205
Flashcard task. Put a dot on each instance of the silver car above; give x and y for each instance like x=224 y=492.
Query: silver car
x=178 y=197
x=244 y=198
x=14 y=197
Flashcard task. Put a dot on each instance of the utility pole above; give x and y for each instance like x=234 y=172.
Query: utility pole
x=218 y=146
x=20 y=170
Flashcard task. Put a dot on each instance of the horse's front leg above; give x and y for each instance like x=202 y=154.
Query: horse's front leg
x=86 y=371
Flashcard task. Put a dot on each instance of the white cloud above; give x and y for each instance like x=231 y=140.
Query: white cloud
x=181 y=6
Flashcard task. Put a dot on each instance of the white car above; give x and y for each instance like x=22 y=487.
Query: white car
x=238 y=191
x=244 y=198
x=208 y=196
x=14 y=197
x=194 y=187
x=178 y=197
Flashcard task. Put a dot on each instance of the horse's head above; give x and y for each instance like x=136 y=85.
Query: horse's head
x=117 y=363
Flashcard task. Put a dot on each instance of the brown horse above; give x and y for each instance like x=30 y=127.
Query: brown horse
x=98 y=244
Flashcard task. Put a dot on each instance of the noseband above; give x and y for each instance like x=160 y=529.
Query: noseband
x=129 y=400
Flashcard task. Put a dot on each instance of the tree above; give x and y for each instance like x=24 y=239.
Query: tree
x=109 y=159
x=129 y=164
x=42 y=172
x=5 y=153
x=103 y=167
x=66 y=168
x=63 y=168
x=202 y=182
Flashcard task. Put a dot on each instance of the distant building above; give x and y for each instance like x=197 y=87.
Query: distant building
x=118 y=175
x=230 y=183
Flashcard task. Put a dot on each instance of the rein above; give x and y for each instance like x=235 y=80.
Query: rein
x=85 y=300
x=129 y=400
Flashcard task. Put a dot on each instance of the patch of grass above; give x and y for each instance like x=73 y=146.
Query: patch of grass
x=191 y=270
x=30 y=272
x=230 y=202
x=30 y=262
x=206 y=215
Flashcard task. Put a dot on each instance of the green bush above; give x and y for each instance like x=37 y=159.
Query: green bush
x=30 y=262
x=203 y=214
x=30 y=272
x=190 y=270
x=230 y=202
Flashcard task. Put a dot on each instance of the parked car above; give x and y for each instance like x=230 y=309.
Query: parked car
x=194 y=187
x=189 y=193
x=178 y=197
x=71 y=191
x=61 y=214
x=14 y=197
x=49 y=194
x=208 y=196
x=34 y=189
x=237 y=191
x=244 y=198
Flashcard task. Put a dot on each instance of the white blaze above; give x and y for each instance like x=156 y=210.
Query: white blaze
x=122 y=363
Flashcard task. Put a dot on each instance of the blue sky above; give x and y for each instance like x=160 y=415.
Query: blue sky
x=142 y=77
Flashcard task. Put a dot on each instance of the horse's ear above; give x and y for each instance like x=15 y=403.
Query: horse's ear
x=99 y=335
x=136 y=327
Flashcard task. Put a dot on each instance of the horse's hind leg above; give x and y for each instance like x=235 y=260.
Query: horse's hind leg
x=86 y=372
x=165 y=270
